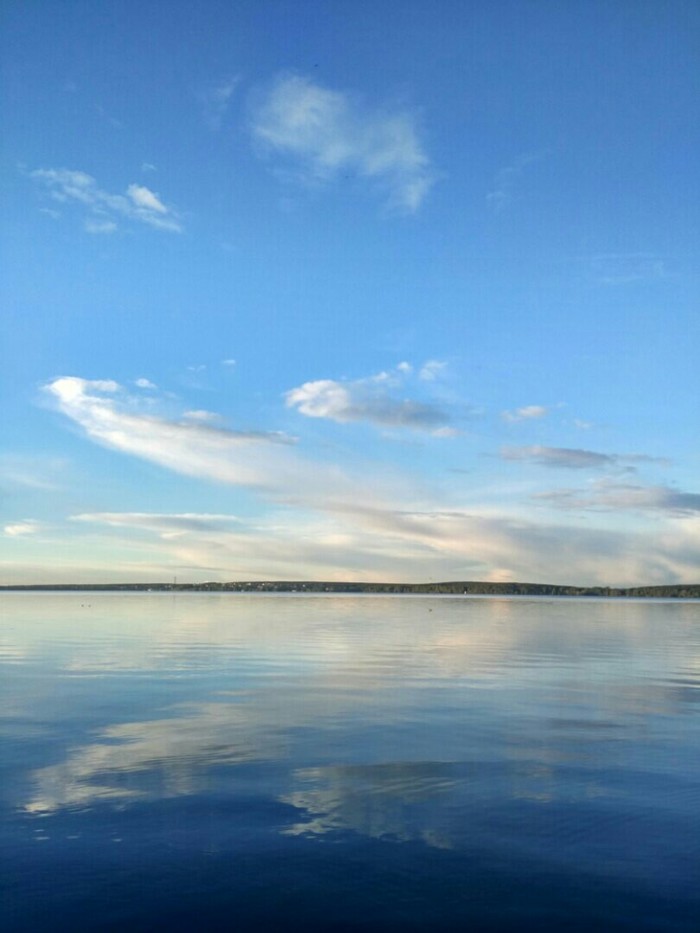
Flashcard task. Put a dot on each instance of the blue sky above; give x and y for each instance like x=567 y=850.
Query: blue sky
x=350 y=290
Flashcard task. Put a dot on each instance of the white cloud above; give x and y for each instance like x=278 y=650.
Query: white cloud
x=19 y=529
x=367 y=400
x=327 y=132
x=526 y=413
x=104 y=210
x=264 y=461
x=145 y=199
x=431 y=370
x=324 y=521
x=200 y=414
x=145 y=384
x=365 y=541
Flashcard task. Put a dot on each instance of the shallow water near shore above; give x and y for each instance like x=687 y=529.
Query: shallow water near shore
x=349 y=763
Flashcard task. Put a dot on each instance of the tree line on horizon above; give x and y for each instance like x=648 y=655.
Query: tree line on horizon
x=449 y=588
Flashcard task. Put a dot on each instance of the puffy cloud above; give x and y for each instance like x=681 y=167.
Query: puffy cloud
x=366 y=400
x=326 y=131
x=145 y=384
x=105 y=210
x=144 y=198
x=526 y=413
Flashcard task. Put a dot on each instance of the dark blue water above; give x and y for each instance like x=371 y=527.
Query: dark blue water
x=241 y=763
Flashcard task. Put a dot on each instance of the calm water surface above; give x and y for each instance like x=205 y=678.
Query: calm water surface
x=222 y=762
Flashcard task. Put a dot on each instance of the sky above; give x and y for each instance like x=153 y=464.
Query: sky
x=350 y=291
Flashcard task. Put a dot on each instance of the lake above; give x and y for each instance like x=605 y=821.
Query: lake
x=247 y=762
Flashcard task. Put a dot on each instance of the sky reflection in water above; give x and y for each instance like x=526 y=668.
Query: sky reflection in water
x=529 y=745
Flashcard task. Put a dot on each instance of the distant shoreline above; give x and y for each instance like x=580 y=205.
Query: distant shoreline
x=454 y=588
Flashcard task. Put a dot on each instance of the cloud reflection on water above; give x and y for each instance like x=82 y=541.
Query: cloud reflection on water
x=398 y=719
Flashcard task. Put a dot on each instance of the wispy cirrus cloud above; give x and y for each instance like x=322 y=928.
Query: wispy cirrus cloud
x=432 y=370
x=326 y=132
x=322 y=519
x=624 y=268
x=27 y=526
x=371 y=400
x=574 y=458
x=201 y=415
x=215 y=101
x=507 y=179
x=624 y=497
x=39 y=473
x=526 y=413
x=262 y=461
x=165 y=525
x=104 y=211
x=109 y=415
x=363 y=540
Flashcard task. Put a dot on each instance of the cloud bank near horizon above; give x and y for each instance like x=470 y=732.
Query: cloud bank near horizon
x=325 y=519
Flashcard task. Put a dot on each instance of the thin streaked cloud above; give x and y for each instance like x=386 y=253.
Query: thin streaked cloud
x=624 y=497
x=216 y=100
x=104 y=212
x=506 y=182
x=575 y=458
x=27 y=526
x=327 y=521
x=166 y=525
x=526 y=413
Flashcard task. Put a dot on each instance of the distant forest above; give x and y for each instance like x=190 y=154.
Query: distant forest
x=671 y=591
